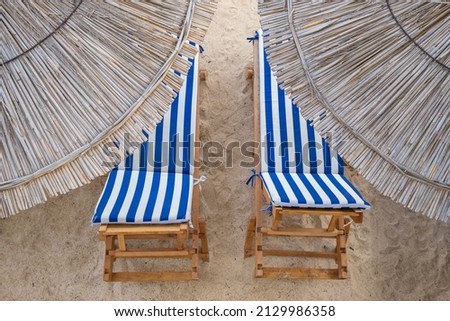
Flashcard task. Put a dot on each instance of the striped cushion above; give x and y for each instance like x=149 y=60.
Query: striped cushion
x=154 y=184
x=132 y=196
x=312 y=190
x=289 y=143
x=298 y=167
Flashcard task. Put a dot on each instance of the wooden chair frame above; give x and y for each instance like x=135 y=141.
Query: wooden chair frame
x=338 y=226
x=116 y=236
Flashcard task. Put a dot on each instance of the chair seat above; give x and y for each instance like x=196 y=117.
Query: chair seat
x=143 y=197
x=312 y=190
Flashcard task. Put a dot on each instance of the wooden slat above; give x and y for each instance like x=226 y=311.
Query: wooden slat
x=151 y=276
x=143 y=253
x=301 y=232
x=313 y=211
x=150 y=236
x=143 y=229
x=316 y=254
x=299 y=273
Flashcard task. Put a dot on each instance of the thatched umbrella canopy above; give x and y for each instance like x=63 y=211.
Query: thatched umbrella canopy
x=377 y=76
x=77 y=75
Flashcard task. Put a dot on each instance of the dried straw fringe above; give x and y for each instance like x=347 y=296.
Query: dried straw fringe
x=354 y=72
x=35 y=163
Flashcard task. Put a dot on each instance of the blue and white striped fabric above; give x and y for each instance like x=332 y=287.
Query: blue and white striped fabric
x=312 y=190
x=298 y=167
x=154 y=184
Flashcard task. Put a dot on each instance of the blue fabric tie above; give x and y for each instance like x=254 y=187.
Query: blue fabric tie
x=267 y=209
x=251 y=179
x=252 y=39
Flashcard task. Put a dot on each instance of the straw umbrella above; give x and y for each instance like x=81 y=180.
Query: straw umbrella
x=78 y=79
x=376 y=75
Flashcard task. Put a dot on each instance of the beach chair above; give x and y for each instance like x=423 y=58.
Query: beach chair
x=153 y=196
x=301 y=178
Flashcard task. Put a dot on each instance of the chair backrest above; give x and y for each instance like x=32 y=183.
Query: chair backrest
x=170 y=147
x=289 y=143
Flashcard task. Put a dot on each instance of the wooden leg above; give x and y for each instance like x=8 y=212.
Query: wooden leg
x=341 y=250
x=109 y=259
x=195 y=238
x=250 y=237
x=249 y=72
x=258 y=232
x=203 y=74
x=347 y=226
x=122 y=243
x=204 y=250
x=182 y=237
x=332 y=225
x=258 y=184
x=195 y=254
x=277 y=216
x=359 y=218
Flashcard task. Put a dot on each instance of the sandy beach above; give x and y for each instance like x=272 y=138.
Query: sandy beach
x=52 y=252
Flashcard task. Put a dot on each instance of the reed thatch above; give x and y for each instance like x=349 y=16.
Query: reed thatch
x=377 y=76
x=79 y=75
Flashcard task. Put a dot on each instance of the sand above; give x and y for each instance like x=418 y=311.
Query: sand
x=51 y=252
